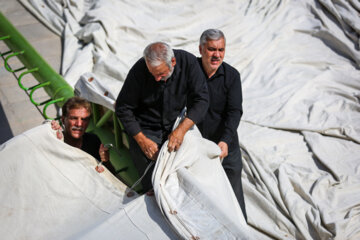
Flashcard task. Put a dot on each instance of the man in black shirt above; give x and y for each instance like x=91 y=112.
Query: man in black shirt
x=76 y=117
x=223 y=116
x=156 y=90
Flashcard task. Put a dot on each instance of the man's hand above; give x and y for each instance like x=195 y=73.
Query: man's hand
x=104 y=157
x=224 y=149
x=104 y=153
x=176 y=137
x=56 y=126
x=148 y=146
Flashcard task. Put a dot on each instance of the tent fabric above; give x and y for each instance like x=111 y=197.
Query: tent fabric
x=299 y=63
x=180 y=179
x=298 y=193
x=51 y=190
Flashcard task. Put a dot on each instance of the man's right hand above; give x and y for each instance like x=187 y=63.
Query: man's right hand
x=56 y=126
x=148 y=146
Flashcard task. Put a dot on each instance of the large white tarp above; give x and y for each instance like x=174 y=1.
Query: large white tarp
x=50 y=190
x=194 y=194
x=299 y=62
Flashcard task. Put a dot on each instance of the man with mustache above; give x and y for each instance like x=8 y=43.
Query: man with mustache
x=225 y=110
x=156 y=90
x=76 y=117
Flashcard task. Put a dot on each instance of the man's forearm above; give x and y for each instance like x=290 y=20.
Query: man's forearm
x=139 y=138
x=185 y=125
x=232 y=122
x=148 y=146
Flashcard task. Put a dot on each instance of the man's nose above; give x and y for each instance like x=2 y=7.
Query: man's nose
x=217 y=53
x=78 y=122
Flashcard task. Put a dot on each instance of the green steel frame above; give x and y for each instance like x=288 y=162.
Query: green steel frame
x=51 y=81
x=104 y=122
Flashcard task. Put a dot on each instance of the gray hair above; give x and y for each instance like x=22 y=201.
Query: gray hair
x=158 y=52
x=211 y=34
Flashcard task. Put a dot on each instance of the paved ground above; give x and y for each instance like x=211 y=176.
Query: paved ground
x=17 y=113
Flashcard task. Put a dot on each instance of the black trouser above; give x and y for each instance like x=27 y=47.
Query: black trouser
x=141 y=161
x=232 y=165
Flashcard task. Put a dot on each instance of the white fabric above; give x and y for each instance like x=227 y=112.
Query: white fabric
x=293 y=192
x=299 y=62
x=180 y=179
x=50 y=190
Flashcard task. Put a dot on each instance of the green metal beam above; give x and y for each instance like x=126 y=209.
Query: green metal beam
x=31 y=59
x=59 y=91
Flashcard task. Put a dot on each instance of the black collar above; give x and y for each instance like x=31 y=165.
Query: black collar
x=219 y=72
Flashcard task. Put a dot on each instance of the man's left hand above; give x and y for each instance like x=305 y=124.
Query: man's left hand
x=104 y=153
x=224 y=149
x=176 y=138
x=104 y=156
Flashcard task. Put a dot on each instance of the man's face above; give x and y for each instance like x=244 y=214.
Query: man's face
x=161 y=72
x=76 y=122
x=212 y=55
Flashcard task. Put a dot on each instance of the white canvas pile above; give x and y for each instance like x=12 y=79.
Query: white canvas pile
x=194 y=194
x=299 y=62
x=51 y=190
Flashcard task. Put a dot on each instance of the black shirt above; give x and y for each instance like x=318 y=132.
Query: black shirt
x=145 y=104
x=225 y=107
x=91 y=144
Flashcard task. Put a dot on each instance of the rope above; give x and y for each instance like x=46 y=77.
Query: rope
x=141 y=178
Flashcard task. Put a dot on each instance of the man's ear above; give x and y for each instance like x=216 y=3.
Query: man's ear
x=173 y=62
x=62 y=120
x=200 y=50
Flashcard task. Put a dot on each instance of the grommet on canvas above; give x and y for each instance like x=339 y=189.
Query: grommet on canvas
x=174 y=212
x=130 y=194
x=91 y=79
x=195 y=238
x=106 y=93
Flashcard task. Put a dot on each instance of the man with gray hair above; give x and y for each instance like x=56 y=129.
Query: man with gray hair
x=155 y=91
x=225 y=110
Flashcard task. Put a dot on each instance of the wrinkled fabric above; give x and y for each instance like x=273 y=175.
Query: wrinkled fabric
x=51 y=190
x=194 y=193
x=299 y=62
